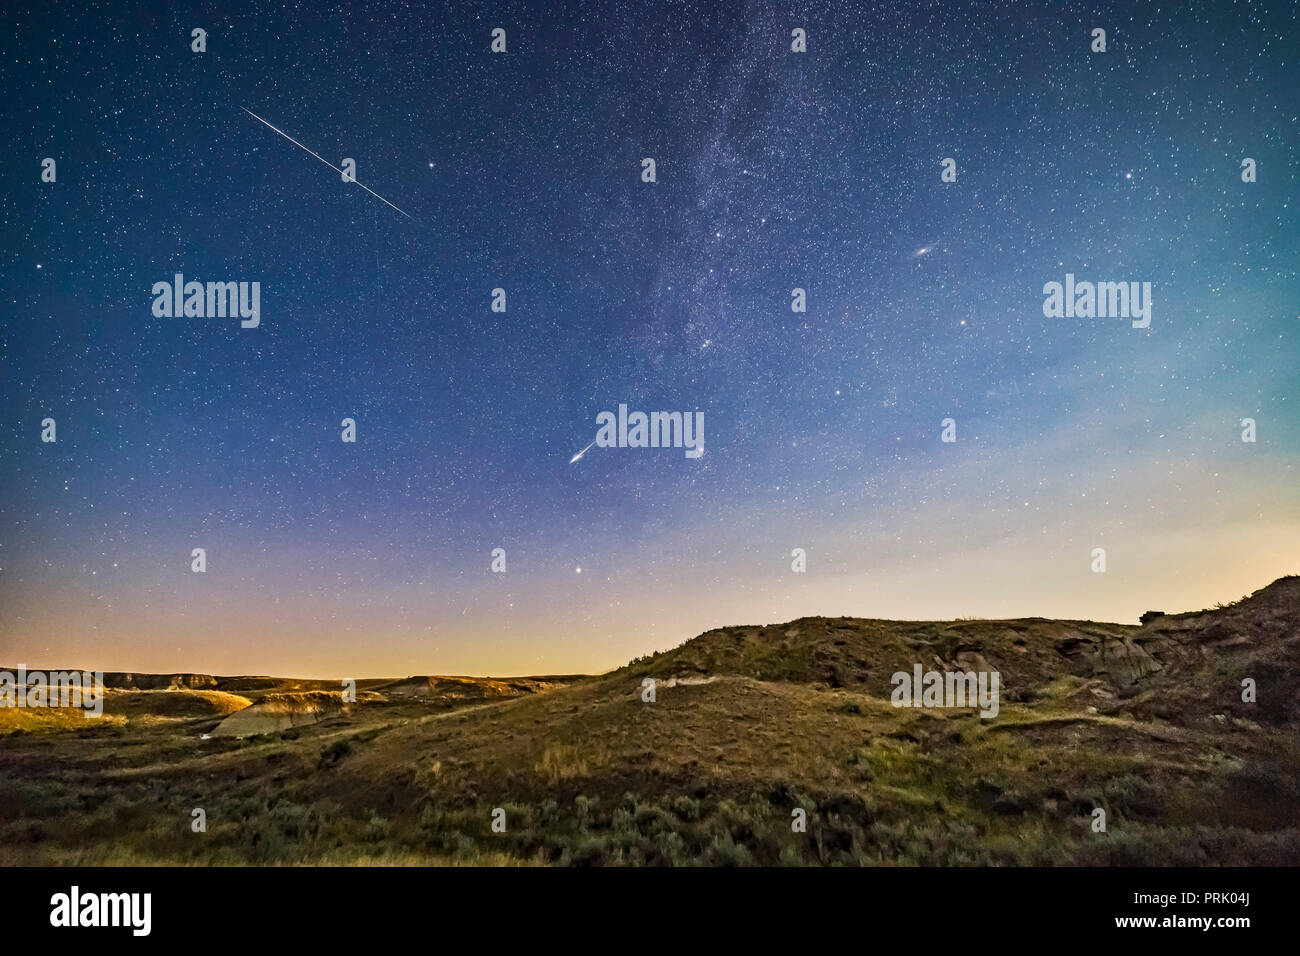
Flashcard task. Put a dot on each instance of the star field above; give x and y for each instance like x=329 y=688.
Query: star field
x=775 y=170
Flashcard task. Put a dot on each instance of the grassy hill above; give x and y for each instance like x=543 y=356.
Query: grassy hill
x=749 y=726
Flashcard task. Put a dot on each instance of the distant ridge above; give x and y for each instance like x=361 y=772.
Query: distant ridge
x=1174 y=662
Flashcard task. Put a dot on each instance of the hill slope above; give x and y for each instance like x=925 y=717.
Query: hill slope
x=749 y=727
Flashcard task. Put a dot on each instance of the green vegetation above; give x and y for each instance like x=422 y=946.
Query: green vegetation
x=1146 y=724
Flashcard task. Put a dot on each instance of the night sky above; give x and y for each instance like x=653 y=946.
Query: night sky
x=523 y=171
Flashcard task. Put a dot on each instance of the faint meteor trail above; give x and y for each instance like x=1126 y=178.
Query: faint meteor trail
x=580 y=454
x=326 y=162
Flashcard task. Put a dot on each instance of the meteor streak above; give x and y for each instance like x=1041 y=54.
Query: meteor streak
x=326 y=162
x=580 y=454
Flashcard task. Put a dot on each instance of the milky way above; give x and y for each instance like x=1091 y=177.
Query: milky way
x=775 y=171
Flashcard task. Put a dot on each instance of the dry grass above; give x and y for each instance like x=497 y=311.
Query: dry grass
x=54 y=719
x=798 y=717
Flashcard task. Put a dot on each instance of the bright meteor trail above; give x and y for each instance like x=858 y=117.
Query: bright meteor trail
x=326 y=162
x=580 y=454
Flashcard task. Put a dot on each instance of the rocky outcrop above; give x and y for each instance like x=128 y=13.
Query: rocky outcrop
x=123 y=680
x=462 y=688
x=275 y=713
